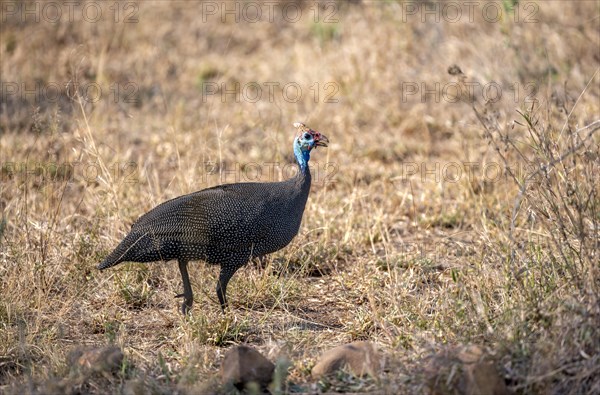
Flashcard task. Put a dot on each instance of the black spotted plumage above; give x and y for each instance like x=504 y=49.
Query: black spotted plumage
x=226 y=225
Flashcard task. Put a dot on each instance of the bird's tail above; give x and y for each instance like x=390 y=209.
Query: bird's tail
x=136 y=247
x=126 y=251
x=114 y=258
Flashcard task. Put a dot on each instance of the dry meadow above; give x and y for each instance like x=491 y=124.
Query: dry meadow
x=458 y=202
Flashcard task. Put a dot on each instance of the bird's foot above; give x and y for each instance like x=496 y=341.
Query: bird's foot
x=224 y=306
x=186 y=306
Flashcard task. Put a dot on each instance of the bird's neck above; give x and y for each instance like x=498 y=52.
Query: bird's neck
x=302 y=157
x=303 y=178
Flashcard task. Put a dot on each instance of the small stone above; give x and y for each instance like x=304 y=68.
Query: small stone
x=466 y=370
x=105 y=359
x=55 y=386
x=135 y=387
x=245 y=367
x=359 y=357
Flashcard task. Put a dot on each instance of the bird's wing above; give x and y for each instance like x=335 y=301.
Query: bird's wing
x=214 y=216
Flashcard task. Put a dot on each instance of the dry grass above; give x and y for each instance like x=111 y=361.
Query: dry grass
x=431 y=222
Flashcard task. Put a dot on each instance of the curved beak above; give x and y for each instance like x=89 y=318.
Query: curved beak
x=322 y=142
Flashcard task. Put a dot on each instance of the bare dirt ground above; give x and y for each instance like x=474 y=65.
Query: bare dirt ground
x=457 y=203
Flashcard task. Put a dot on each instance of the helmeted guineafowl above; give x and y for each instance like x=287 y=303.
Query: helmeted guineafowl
x=226 y=225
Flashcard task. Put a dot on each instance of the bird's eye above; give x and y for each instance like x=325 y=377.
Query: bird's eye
x=307 y=136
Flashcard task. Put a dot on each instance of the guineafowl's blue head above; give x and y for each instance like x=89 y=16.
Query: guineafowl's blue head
x=307 y=139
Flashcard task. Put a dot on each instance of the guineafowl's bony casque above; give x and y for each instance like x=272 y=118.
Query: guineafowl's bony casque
x=226 y=225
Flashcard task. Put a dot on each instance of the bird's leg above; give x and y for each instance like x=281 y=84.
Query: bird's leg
x=188 y=296
x=224 y=278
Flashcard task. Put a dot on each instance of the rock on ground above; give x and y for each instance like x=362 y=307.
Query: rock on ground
x=360 y=358
x=104 y=359
x=468 y=370
x=243 y=366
